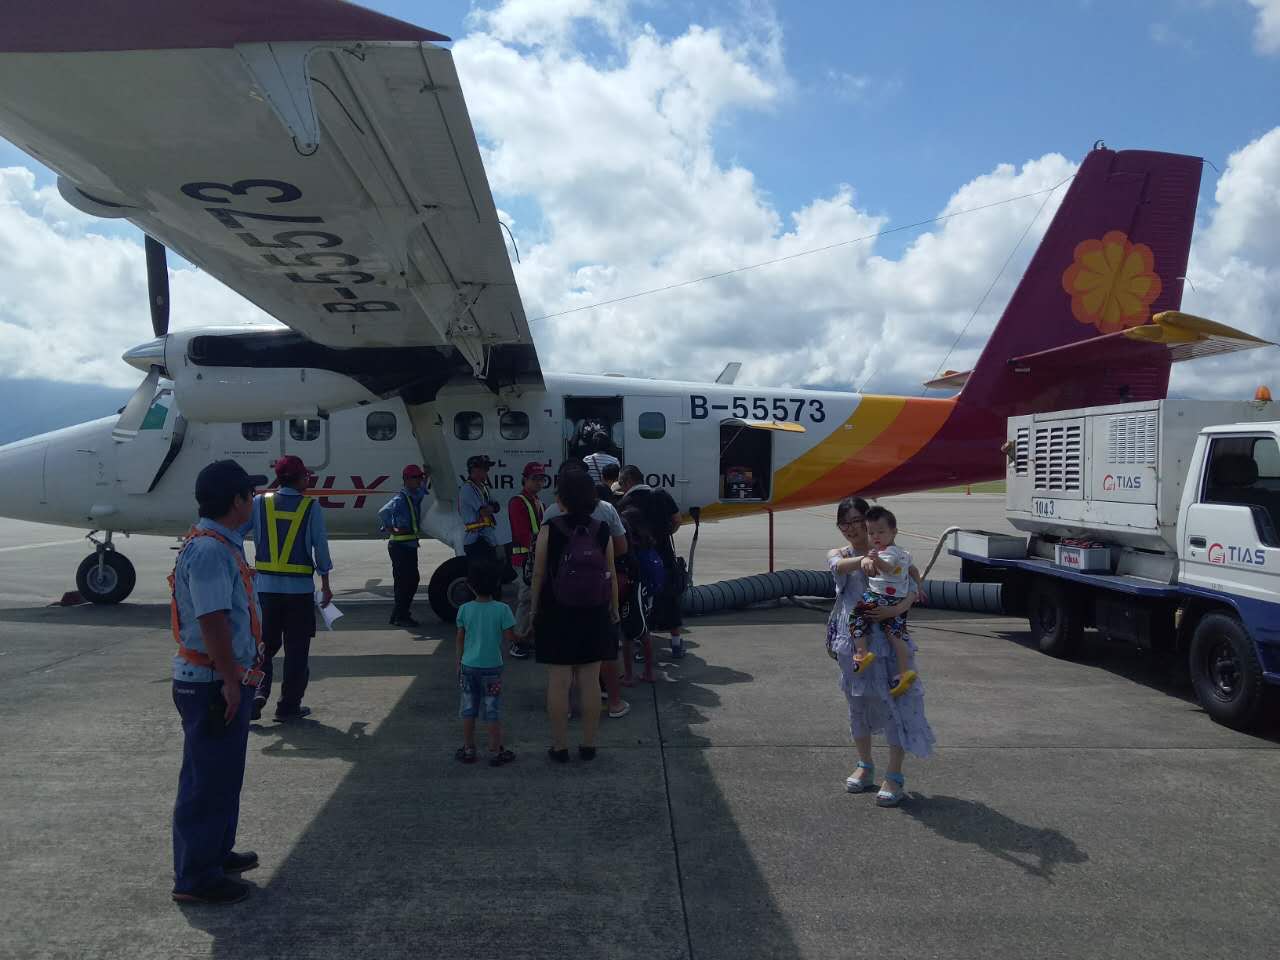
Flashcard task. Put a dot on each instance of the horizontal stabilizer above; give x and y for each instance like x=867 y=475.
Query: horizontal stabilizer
x=1171 y=336
x=951 y=380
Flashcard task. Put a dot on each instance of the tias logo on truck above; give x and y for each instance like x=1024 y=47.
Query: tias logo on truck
x=1222 y=555
x=1121 y=481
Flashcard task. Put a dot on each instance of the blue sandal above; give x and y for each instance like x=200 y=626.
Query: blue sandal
x=857 y=784
x=891 y=798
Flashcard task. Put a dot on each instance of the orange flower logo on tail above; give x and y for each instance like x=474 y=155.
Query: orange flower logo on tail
x=1112 y=282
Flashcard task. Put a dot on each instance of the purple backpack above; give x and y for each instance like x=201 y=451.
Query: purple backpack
x=583 y=578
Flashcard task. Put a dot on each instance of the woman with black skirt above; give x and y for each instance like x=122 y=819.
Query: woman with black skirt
x=574 y=615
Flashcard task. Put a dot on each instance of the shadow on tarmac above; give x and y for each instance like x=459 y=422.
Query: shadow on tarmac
x=1036 y=850
x=1166 y=673
x=413 y=853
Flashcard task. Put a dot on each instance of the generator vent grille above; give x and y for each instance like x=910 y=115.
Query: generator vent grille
x=1057 y=456
x=1132 y=439
x=1022 y=452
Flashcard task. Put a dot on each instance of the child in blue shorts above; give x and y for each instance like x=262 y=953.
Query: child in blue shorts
x=484 y=626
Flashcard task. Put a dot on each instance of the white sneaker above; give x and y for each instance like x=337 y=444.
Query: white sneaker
x=621 y=712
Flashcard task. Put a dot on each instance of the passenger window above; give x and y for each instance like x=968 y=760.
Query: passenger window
x=514 y=425
x=257 y=432
x=468 y=425
x=304 y=431
x=380 y=425
x=1244 y=471
x=653 y=426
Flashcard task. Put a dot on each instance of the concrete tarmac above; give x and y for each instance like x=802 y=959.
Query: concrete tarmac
x=1085 y=809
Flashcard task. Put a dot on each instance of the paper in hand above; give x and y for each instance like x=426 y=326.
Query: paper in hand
x=329 y=614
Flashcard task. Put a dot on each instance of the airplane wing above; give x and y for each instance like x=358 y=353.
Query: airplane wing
x=314 y=156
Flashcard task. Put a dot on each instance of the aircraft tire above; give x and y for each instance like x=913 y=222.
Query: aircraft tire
x=111 y=584
x=447 y=589
x=1225 y=672
x=1054 y=615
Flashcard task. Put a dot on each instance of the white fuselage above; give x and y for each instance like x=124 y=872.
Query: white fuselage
x=675 y=432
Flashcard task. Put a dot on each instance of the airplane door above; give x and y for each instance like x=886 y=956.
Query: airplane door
x=655 y=443
x=141 y=461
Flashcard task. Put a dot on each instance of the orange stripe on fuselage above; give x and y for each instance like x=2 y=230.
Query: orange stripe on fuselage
x=882 y=434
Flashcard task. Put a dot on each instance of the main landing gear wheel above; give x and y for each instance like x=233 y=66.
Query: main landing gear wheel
x=105 y=577
x=448 y=589
x=1225 y=671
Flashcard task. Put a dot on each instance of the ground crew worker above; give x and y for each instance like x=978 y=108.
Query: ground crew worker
x=524 y=510
x=290 y=545
x=478 y=509
x=215 y=621
x=401 y=517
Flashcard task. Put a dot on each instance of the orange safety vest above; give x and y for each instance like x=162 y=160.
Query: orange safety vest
x=253 y=676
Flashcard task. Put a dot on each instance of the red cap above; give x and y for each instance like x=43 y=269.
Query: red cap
x=289 y=467
x=534 y=467
x=412 y=470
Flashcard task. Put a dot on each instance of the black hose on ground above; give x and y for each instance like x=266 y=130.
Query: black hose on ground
x=763 y=587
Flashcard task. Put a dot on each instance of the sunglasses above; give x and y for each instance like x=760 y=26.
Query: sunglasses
x=854 y=522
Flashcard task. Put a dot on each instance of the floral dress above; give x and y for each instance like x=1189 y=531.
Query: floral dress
x=871 y=708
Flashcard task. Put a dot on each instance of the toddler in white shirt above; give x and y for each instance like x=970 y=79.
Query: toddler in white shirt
x=889 y=581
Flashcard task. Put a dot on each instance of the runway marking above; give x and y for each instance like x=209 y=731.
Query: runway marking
x=34 y=546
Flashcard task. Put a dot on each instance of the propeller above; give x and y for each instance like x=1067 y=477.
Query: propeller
x=158 y=285
x=135 y=411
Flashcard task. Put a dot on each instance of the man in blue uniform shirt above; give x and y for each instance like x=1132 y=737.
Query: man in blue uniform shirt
x=478 y=509
x=216 y=625
x=401 y=518
x=290 y=545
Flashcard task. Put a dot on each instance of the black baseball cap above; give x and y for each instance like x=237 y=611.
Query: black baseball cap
x=222 y=478
x=480 y=460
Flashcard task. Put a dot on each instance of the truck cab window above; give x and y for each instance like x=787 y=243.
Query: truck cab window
x=257 y=432
x=1245 y=471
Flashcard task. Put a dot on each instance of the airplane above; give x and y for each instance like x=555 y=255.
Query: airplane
x=318 y=158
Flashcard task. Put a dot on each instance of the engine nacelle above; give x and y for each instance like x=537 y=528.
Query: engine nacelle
x=242 y=394
x=237 y=375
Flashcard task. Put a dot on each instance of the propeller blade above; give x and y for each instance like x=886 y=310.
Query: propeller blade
x=135 y=411
x=158 y=285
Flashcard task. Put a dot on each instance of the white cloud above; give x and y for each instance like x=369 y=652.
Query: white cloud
x=1266 y=32
x=1235 y=270
x=620 y=159
x=72 y=300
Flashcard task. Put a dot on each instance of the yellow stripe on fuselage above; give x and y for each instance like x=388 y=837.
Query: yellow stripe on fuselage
x=871 y=418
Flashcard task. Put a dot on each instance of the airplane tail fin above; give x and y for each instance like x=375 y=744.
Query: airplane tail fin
x=1114 y=256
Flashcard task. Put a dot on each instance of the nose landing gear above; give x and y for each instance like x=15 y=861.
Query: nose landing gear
x=105 y=576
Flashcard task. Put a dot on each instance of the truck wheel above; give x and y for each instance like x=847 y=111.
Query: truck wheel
x=111 y=584
x=1054 y=617
x=1225 y=671
x=448 y=589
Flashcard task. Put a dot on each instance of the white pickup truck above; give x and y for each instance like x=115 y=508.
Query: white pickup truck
x=1154 y=522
